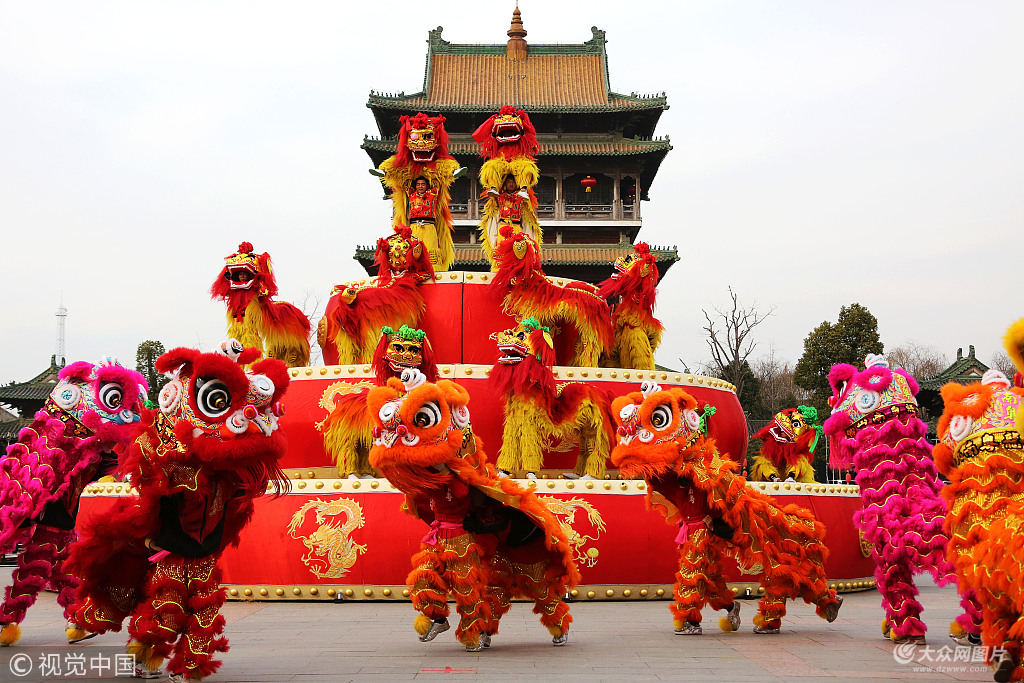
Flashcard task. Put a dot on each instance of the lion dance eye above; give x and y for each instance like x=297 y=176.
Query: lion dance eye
x=427 y=416
x=661 y=417
x=212 y=397
x=110 y=396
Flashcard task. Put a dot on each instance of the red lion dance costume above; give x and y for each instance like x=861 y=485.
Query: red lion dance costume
x=788 y=444
x=537 y=411
x=277 y=328
x=197 y=465
x=347 y=430
x=633 y=286
x=694 y=487
x=981 y=451
x=423 y=153
x=350 y=328
x=509 y=143
x=875 y=427
x=491 y=540
x=68 y=445
x=525 y=292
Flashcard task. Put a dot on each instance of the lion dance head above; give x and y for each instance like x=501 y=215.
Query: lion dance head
x=635 y=277
x=422 y=140
x=655 y=428
x=245 y=276
x=104 y=400
x=517 y=258
x=507 y=134
x=403 y=349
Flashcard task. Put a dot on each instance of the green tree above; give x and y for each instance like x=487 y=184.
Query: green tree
x=849 y=340
x=145 y=363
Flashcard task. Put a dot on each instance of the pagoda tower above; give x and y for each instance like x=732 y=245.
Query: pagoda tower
x=584 y=130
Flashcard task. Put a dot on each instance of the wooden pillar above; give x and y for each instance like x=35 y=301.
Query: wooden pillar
x=616 y=197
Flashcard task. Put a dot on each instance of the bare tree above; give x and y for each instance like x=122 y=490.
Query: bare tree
x=1002 y=362
x=919 y=360
x=311 y=308
x=730 y=341
x=778 y=391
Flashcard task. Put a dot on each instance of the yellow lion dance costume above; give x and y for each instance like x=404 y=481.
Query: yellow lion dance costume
x=633 y=288
x=981 y=452
x=509 y=143
x=695 y=488
x=490 y=539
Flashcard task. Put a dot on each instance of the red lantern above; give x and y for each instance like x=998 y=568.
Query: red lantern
x=588 y=183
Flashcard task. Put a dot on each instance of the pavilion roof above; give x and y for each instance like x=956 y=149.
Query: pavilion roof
x=964 y=370
x=459 y=145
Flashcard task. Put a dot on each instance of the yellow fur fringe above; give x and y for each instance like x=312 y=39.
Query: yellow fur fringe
x=9 y=634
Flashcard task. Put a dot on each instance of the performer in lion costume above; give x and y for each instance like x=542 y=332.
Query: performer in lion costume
x=702 y=492
x=247 y=285
x=508 y=142
x=197 y=465
x=349 y=330
x=788 y=443
x=419 y=176
x=70 y=443
x=633 y=289
x=537 y=411
x=347 y=430
x=525 y=292
x=981 y=452
x=490 y=539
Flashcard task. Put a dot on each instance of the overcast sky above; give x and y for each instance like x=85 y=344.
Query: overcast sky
x=825 y=153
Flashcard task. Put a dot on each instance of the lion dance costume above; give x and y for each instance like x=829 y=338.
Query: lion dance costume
x=875 y=427
x=350 y=328
x=68 y=445
x=277 y=328
x=536 y=409
x=700 y=491
x=197 y=465
x=509 y=143
x=347 y=431
x=787 y=446
x=423 y=153
x=981 y=451
x=525 y=292
x=633 y=286
x=490 y=540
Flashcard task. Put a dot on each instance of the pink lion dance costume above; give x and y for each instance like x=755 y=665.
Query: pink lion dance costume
x=875 y=427
x=197 y=465
x=68 y=445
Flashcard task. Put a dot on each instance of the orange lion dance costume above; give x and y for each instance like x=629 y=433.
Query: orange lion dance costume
x=509 y=143
x=537 y=410
x=348 y=429
x=490 y=539
x=197 y=466
x=695 y=488
x=525 y=292
x=423 y=156
x=981 y=452
x=633 y=286
x=277 y=328
x=350 y=328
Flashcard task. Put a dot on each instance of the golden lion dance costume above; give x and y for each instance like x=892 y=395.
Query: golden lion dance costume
x=525 y=292
x=695 y=488
x=277 y=328
x=490 y=540
x=633 y=286
x=423 y=153
x=787 y=446
x=875 y=427
x=538 y=411
x=197 y=466
x=347 y=431
x=509 y=143
x=69 y=444
x=350 y=328
x=981 y=451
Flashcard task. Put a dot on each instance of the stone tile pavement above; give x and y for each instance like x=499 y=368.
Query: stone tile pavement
x=610 y=641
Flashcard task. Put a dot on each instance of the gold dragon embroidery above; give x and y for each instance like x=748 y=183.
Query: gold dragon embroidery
x=331 y=550
x=566 y=511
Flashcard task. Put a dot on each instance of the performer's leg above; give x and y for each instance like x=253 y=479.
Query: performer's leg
x=160 y=616
x=691 y=588
x=899 y=600
x=45 y=550
x=201 y=635
x=428 y=592
x=64 y=584
x=966 y=628
x=468 y=578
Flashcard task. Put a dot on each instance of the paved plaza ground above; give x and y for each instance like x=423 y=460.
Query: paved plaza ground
x=609 y=641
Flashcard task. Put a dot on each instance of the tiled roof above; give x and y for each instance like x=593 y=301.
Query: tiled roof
x=565 y=254
x=964 y=370
x=621 y=147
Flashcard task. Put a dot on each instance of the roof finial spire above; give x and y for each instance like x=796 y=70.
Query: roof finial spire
x=516 y=48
